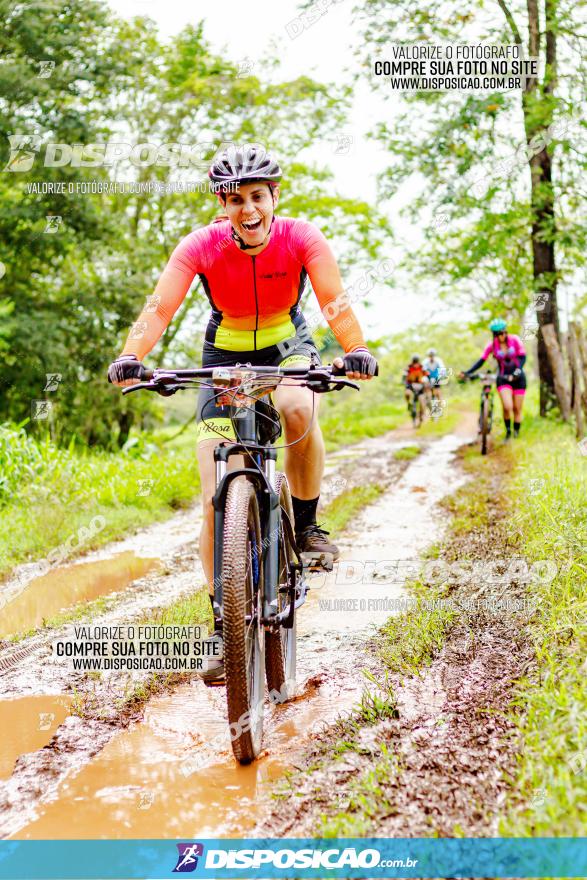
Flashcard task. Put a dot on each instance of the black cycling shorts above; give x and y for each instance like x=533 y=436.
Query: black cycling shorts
x=517 y=383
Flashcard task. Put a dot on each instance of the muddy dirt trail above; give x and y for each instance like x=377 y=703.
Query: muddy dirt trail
x=169 y=771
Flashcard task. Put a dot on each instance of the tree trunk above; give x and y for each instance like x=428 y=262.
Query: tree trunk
x=578 y=377
x=125 y=422
x=538 y=116
x=556 y=361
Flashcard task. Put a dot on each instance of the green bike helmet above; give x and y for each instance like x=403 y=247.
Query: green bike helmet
x=498 y=325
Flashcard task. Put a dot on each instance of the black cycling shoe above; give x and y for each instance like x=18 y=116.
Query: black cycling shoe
x=214 y=674
x=316 y=550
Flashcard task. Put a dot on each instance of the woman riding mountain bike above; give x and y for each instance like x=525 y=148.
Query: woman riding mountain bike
x=254 y=266
x=436 y=370
x=508 y=350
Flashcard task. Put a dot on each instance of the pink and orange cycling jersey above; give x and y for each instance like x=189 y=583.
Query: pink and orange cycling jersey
x=509 y=359
x=255 y=300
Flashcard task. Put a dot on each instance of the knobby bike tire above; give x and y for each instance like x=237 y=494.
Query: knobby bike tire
x=484 y=424
x=243 y=643
x=280 y=646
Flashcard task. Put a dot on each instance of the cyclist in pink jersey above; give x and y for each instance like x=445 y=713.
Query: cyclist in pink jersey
x=508 y=350
x=254 y=266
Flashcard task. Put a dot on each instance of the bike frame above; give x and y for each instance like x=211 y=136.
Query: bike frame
x=260 y=470
x=260 y=464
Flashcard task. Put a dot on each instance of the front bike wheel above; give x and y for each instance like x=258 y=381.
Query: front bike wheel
x=484 y=423
x=280 y=645
x=244 y=646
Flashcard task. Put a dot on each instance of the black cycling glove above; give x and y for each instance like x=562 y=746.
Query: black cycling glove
x=127 y=366
x=360 y=361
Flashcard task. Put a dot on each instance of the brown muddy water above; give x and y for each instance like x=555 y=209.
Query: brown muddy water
x=140 y=784
x=67 y=586
x=172 y=774
x=28 y=724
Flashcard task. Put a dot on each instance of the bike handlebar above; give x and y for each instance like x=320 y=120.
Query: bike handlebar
x=318 y=379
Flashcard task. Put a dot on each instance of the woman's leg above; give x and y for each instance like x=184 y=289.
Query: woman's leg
x=304 y=466
x=505 y=392
x=518 y=407
x=304 y=460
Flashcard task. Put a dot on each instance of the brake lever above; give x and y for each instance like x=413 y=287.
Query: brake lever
x=163 y=390
x=322 y=386
x=137 y=386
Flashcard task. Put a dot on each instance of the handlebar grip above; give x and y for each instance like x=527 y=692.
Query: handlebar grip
x=340 y=371
x=148 y=374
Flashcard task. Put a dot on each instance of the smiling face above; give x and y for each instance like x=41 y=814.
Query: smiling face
x=250 y=211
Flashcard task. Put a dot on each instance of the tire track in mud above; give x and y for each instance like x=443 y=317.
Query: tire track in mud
x=74 y=781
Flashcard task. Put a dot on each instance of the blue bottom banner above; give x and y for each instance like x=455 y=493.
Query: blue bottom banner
x=293 y=858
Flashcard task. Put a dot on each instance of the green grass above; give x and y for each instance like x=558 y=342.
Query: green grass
x=192 y=610
x=549 y=492
x=341 y=510
x=63 y=490
x=408 y=642
x=447 y=421
x=406 y=453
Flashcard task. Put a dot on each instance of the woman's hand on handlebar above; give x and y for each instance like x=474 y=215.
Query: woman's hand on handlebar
x=359 y=364
x=126 y=370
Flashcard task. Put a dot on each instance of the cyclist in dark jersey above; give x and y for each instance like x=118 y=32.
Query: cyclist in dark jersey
x=510 y=355
x=254 y=266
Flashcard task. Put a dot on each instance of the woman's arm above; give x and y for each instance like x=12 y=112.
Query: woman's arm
x=320 y=263
x=169 y=293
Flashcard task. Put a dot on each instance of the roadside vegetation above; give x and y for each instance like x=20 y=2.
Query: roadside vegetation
x=48 y=493
x=549 y=496
x=537 y=488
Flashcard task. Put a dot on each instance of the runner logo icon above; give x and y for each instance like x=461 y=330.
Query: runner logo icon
x=187 y=860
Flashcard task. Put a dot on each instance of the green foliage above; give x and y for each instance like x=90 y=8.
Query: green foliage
x=406 y=453
x=465 y=156
x=47 y=492
x=68 y=299
x=549 y=493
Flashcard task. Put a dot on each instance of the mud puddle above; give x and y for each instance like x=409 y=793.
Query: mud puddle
x=142 y=783
x=137 y=780
x=67 y=586
x=28 y=724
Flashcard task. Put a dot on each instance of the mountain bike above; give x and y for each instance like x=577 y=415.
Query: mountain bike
x=485 y=407
x=417 y=403
x=259 y=581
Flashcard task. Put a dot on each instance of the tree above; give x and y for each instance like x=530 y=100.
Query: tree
x=499 y=240
x=70 y=296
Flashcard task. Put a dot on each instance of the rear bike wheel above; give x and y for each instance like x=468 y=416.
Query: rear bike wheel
x=280 y=645
x=242 y=592
x=484 y=423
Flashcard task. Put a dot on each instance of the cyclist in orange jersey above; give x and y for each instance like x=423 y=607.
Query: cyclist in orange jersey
x=254 y=266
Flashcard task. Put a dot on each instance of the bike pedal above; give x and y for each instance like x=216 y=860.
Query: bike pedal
x=215 y=682
x=323 y=563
